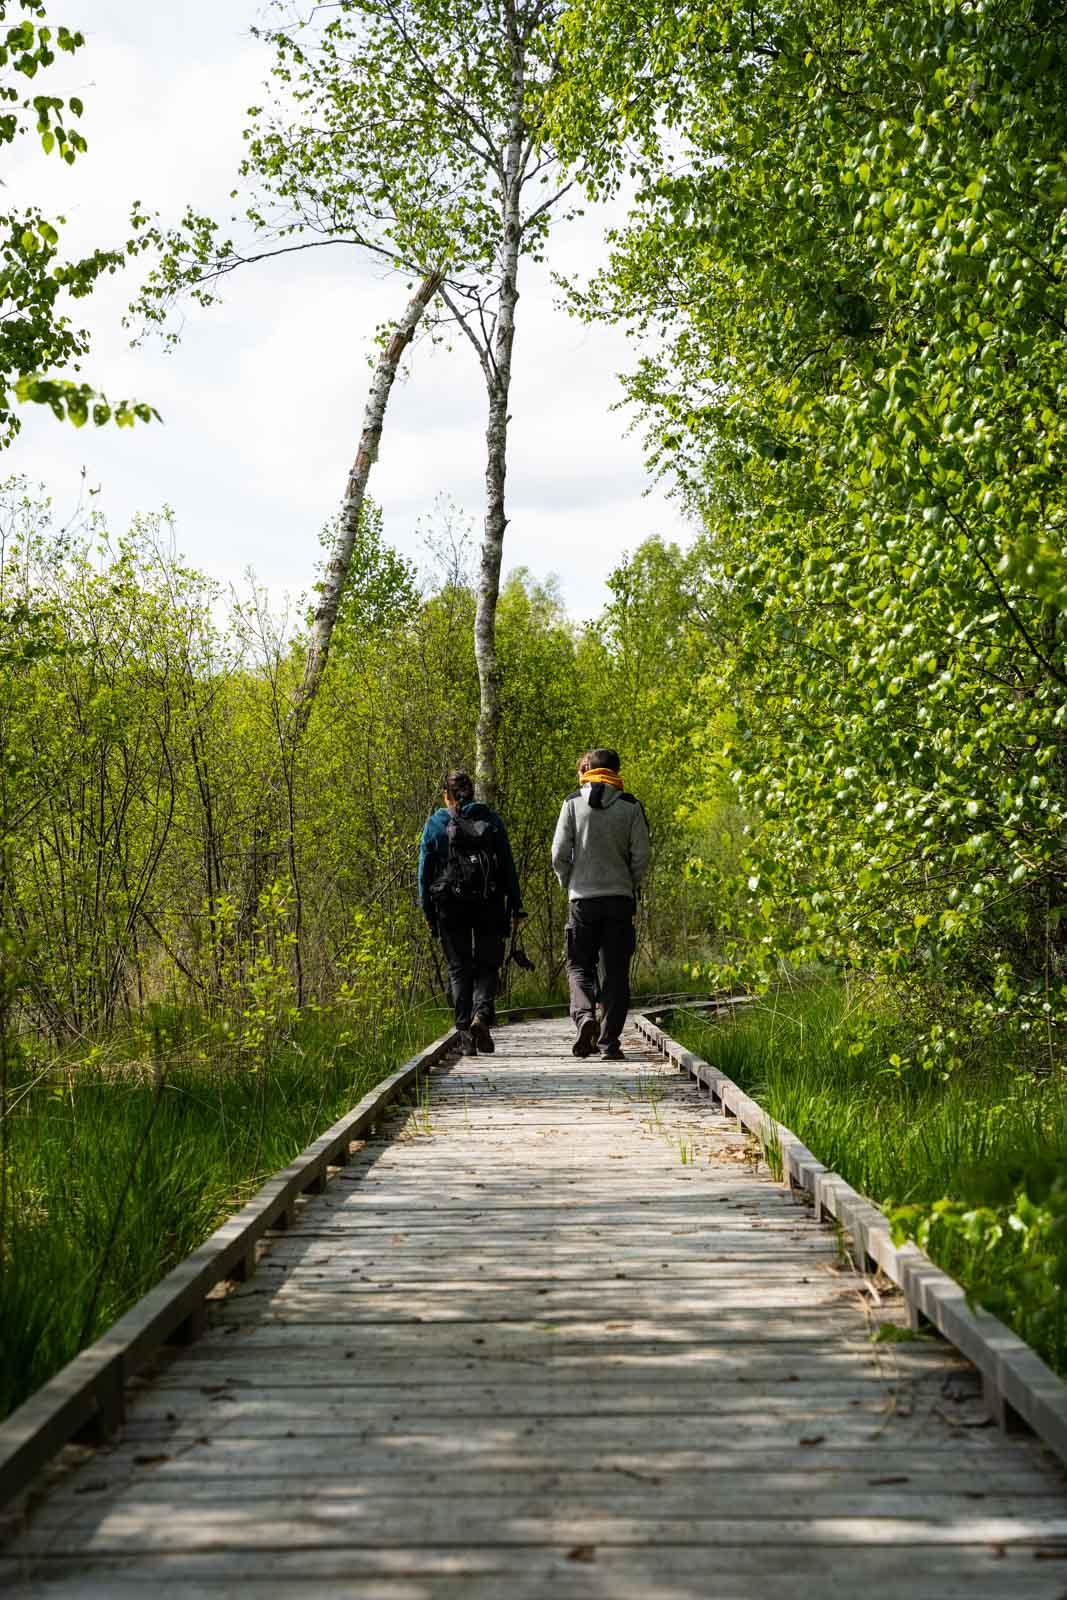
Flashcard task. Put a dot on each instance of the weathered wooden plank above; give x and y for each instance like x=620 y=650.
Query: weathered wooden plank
x=489 y=1299
x=464 y=1388
x=623 y=1454
x=679 y=1402
x=348 y=1521
x=451 y=1236
x=495 y=1263
x=876 y=1462
x=230 y=1467
x=546 y=1340
x=709 y=1406
x=380 y=1508
x=386 y=1306
x=536 y=1573
x=518 y=1585
x=1021 y=1386
x=432 y=1438
x=349 y=1363
x=729 y=1200
x=648 y=1225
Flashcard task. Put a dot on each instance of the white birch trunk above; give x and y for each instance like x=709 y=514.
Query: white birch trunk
x=352 y=506
x=496 y=439
x=259 y=861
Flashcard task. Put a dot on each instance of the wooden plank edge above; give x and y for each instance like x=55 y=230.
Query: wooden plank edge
x=726 y=1004
x=88 y=1393
x=561 y=1008
x=1019 y=1386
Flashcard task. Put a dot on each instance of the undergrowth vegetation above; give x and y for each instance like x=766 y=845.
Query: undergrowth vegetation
x=161 y=839
x=211 y=943
x=971 y=1161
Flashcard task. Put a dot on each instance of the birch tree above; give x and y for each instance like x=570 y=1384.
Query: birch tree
x=332 y=587
x=410 y=129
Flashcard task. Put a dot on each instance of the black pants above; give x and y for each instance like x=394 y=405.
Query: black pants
x=473 y=940
x=600 y=933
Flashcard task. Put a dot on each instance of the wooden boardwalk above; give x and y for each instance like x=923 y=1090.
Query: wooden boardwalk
x=552 y=1334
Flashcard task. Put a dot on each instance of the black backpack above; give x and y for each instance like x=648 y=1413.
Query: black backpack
x=471 y=872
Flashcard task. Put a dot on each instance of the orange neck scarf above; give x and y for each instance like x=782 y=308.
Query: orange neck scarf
x=601 y=775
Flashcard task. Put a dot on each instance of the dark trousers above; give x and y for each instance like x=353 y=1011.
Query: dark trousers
x=473 y=941
x=600 y=934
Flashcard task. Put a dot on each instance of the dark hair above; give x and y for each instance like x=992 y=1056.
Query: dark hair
x=598 y=758
x=458 y=785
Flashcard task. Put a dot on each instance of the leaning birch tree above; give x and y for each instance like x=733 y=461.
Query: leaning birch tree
x=410 y=129
x=335 y=576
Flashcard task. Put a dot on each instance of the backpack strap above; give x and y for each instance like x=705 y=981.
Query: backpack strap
x=634 y=801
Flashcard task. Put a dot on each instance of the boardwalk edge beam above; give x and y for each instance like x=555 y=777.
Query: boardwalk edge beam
x=1018 y=1385
x=86 y=1398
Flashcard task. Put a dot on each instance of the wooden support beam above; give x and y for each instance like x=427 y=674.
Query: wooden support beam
x=1021 y=1387
x=85 y=1399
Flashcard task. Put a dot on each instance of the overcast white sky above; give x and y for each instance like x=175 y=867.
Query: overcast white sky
x=262 y=400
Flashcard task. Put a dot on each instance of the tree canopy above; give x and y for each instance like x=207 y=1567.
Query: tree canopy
x=39 y=346
x=847 y=252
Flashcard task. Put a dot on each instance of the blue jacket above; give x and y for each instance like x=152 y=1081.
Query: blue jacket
x=433 y=856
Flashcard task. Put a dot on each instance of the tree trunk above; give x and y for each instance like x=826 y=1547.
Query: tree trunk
x=496 y=440
x=260 y=862
x=352 y=506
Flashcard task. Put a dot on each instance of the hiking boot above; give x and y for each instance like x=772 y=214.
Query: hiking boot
x=585 y=1042
x=482 y=1037
x=467 y=1046
x=612 y=1052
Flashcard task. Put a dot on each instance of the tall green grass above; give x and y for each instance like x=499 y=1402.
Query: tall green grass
x=972 y=1164
x=120 y=1163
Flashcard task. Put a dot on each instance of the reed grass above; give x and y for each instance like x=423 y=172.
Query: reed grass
x=120 y=1163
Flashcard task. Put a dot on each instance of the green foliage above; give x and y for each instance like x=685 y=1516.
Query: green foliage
x=255 y=988
x=848 y=246
x=381 y=591
x=1013 y=1257
x=971 y=1166
x=431 y=78
x=141 y=743
x=37 y=340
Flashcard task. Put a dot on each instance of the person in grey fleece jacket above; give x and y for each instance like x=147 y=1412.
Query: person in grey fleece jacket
x=600 y=854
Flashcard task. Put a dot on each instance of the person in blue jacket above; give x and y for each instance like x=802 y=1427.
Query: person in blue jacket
x=470 y=895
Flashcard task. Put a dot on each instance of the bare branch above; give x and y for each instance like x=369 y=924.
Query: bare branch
x=482 y=349
x=547 y=205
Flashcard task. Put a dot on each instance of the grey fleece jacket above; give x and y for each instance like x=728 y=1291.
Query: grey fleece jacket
x=601 y=843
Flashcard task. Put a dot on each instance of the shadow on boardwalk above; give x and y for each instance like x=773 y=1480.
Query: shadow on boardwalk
x=553 y=1334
